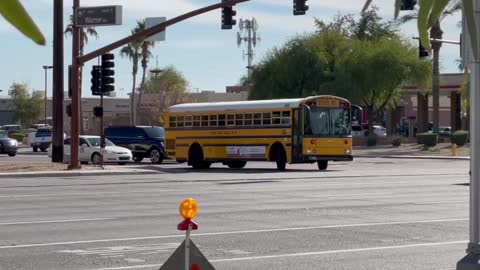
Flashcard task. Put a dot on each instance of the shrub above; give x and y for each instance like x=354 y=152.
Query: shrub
x=396 y=141
x=17 y=136
x=460 y=137
x=372 y=140
x=428 y=139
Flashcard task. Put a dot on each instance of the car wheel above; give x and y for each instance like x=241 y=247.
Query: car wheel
x=281 y=159
x=12 y=154
x=156 y=156
x=96 y=158
x=35 y=149
x=43 y=149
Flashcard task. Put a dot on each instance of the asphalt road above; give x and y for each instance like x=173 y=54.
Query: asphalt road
x=367 y=214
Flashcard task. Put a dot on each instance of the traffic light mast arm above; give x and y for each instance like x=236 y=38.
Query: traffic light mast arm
x=153 y=30
x=442 y=41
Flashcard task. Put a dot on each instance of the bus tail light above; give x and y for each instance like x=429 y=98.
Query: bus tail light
x=312 y=141
x=346 y=141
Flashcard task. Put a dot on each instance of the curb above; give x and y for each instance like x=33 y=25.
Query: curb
x=412 y=157
x=39 y=174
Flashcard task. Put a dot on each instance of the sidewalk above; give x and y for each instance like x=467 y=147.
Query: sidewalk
x=440 y=151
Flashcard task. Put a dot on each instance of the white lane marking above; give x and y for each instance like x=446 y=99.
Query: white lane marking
x=53 y=221
x=296 y=254
x=236 y=232
x=80 y=193
x=338 y=251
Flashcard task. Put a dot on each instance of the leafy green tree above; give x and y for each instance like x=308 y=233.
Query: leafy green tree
x=371 y=73
x=28 y=108
x=436 y=32
x=164 y=90
x=132 y=51
x=146 y=54
x=13 y=12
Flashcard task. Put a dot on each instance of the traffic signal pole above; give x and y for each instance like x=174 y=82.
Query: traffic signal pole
x=78 y=61
x=74 y=133
x=472 y=260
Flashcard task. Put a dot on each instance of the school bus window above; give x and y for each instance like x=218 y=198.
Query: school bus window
x=239 y=119
x=266 y=118
x=276 y=118
x=188 y=121
x=248 y=119
x=286 y=118
x=213 y=120
x=196 y=120
x=230 y=119
x=180 y=121
x=221 y=119
x=257 y=119
x=173 y=121
x=204 y=120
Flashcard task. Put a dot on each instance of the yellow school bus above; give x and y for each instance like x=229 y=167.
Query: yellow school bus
x=299 y=130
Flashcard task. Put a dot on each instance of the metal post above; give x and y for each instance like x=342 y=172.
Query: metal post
x=187 y=247
x=102 y=134
x=57 y=97
x=472 y=260
x=74 y=164
x=46 y=96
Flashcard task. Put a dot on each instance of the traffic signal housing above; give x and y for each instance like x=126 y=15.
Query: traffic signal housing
x=300 y=7
x=98 y=111
x=227 y=17
x=107 y=73
x=422 y=52
x=408 y=4
x=96 y=80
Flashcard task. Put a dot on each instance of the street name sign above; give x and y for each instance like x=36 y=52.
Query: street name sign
x=152 y=21
x=98 y=16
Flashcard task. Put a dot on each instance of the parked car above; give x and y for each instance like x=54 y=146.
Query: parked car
x=9 y=129
x=89 y=151
x=42 y=140
x=379 y=131
x=143 y=141
x=37 y=126
x=357 y=131
x=8 y=146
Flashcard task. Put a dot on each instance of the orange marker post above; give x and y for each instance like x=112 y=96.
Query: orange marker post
x=188 y=210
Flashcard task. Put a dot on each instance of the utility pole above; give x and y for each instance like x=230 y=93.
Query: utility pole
x=250 y=38
x=57 y=96
x=74 y=139
x=472 y=260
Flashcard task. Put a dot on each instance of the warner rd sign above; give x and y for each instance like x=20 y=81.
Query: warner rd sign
x=98 y=16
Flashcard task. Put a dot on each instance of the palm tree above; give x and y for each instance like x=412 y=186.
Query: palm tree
x=146 y=55
x=132 y=51
x=435 y=33
x=85 y=32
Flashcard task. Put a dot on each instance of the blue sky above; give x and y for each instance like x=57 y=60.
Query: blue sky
x=207 y=56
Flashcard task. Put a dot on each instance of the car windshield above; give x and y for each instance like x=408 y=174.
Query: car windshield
x=155 y=132
x=328 y=122
x=96 y=142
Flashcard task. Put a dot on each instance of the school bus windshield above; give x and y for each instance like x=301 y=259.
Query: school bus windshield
x=327 y=122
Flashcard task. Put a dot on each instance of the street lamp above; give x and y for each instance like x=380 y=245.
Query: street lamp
x=45 y=68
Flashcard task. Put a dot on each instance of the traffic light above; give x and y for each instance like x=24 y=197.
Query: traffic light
x=108 y=72
x=96 y=80
x=227 y=17
x=299 y=7
x=98 y=111
x=408 y=4
x=422 y=52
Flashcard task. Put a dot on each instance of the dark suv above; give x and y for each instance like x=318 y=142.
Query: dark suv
x=143 y=141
